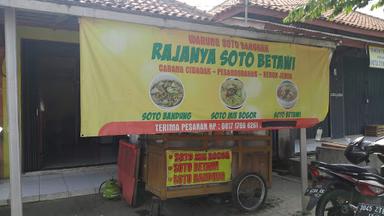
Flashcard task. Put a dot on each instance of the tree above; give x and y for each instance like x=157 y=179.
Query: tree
x=314 y=9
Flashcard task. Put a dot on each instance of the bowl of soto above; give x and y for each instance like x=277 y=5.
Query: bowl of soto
x=232 y=93
x=166 y=91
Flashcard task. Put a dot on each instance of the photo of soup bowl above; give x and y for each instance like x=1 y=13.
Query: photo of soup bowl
x=232 y=93
x=166 y=91
x=287 y=94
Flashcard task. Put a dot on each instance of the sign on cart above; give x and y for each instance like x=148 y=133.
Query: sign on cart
x=198 y=167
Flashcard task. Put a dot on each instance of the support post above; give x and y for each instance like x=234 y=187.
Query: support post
x=246 y=12
x=304 y=166
x=13 y=110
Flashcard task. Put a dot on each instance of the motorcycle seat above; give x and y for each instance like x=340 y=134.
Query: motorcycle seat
x=348 y=168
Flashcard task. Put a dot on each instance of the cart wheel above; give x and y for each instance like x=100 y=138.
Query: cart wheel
x=155 y=206
x=249 y=191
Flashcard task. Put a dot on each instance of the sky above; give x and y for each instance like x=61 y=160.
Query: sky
x=377 y=13
x=208 y=4
x=203 y=4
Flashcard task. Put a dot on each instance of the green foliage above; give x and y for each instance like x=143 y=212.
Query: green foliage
x=316 y=8
x=377 y=5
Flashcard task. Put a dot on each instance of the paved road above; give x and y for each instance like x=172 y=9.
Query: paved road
x=283 y=199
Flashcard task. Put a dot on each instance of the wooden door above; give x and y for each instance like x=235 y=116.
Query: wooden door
x=50 y=101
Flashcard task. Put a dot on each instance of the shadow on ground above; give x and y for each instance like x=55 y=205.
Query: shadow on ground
x=283 y=200
x=94 y=205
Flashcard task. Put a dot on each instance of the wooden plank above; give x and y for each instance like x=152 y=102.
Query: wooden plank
x=333 y=145
x=252 y=149
x=374 y=130
x=332 y=148
x=201 y=190
x=156 y=176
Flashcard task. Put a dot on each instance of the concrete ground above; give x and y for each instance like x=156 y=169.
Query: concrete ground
x=283 y=199
x=57 y=184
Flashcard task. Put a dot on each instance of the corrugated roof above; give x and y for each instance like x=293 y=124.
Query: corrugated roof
x=170 y=8
x=354 y=19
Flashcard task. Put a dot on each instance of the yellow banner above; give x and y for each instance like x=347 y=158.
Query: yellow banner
x=198 y=167
x=138 y=79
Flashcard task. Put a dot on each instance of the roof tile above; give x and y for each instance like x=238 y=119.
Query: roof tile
x=354 y=19
x=172 y=8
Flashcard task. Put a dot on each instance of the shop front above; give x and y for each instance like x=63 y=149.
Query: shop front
x=49 y=67
x=200 y=99
x=190 y=89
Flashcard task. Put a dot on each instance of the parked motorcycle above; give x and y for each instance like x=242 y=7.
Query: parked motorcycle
x=348 y=189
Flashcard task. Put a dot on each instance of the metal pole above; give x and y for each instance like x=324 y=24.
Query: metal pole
x=304 y=166
x=13 y=110
x=246 y=12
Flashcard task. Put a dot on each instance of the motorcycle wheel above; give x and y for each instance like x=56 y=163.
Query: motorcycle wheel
x=249 y=191
x=335 y=203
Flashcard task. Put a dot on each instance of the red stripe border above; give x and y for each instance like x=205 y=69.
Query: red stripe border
x=193 y=126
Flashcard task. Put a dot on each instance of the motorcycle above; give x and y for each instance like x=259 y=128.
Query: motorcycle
x=348 y=189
